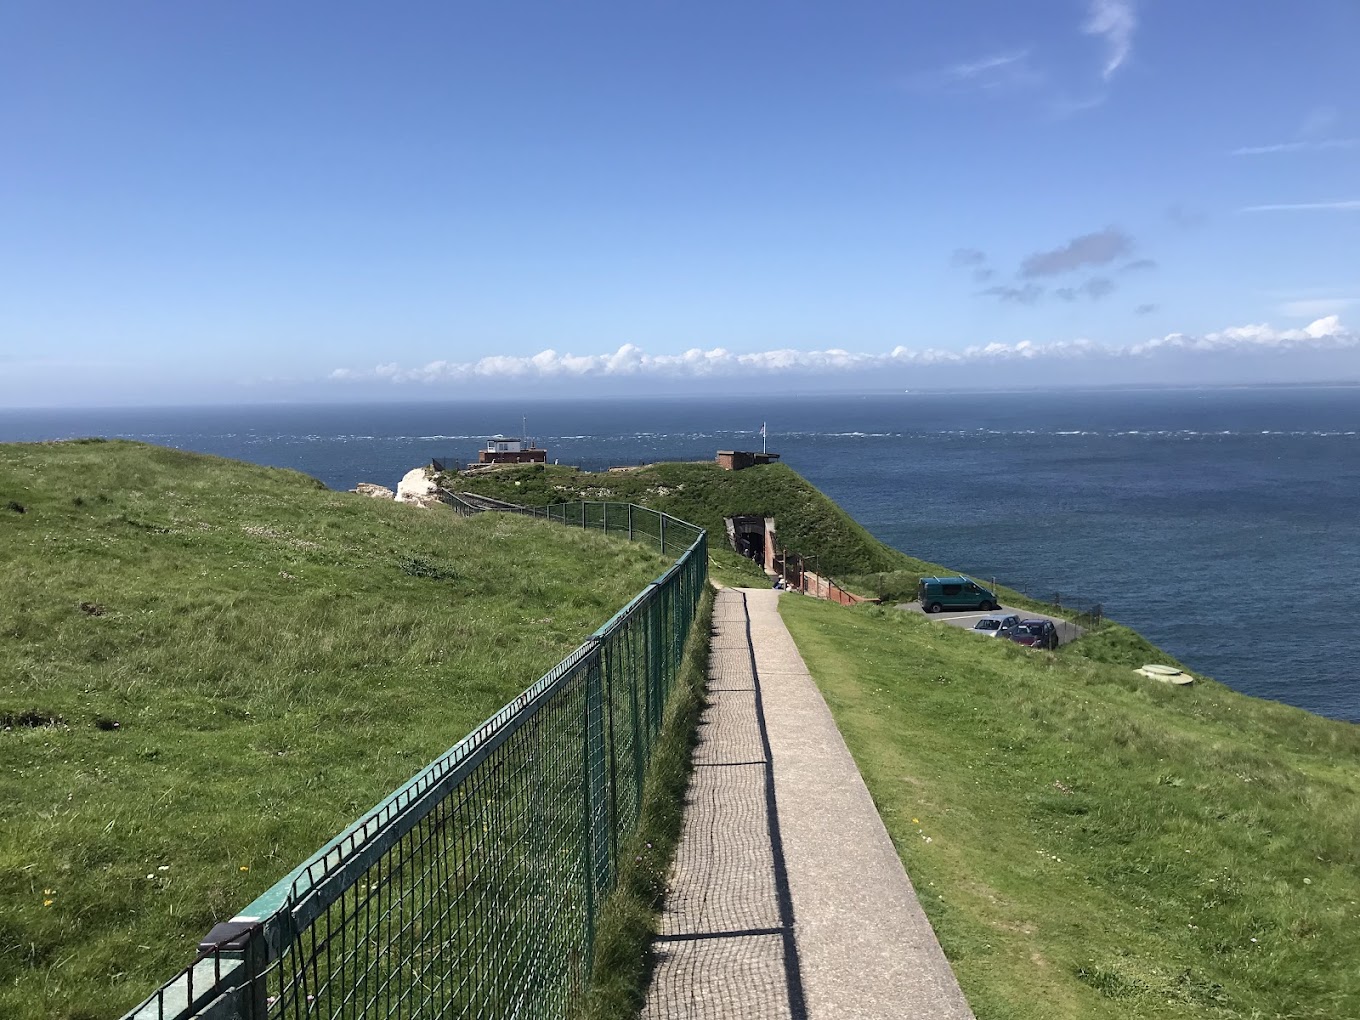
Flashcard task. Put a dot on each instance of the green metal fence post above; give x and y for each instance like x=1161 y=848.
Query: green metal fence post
x=598 y=775
x=672 y=656
x=256 y=1000
x=639 y=764
x=539 y=865
x=654 y=664
x=630 y=522
x=607 y=659
x=587 y=827
x=241 y=941
x=663 y=534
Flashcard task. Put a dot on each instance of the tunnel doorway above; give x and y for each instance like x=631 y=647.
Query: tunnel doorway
x=753 y=537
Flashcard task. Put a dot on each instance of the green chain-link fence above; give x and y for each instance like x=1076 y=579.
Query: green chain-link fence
x=472 y=891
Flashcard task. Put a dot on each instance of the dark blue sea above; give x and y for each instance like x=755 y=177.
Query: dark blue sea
x=1224 y=524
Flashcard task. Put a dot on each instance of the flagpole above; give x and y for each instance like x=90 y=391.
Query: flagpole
x=762 y=437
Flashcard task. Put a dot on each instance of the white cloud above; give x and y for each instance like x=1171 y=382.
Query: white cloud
x=630 y=361
x=1115 y=21
x=1348 y=205
x=1323 y=145
x=985 y=67
x=1000 y=71
x=1324 y=333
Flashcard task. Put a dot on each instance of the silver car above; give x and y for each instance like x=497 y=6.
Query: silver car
x=996 y=626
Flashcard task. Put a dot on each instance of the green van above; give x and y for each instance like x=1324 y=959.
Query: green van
x=938 y=593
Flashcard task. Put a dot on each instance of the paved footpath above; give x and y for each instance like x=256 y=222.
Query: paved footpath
x=787 y=900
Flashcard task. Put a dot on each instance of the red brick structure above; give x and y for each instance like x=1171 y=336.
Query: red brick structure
x=510 y=450
x=738 y=460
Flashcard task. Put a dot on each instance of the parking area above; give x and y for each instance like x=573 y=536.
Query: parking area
x=1067 y=630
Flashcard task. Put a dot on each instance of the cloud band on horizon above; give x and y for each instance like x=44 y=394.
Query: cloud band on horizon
x=631 y=361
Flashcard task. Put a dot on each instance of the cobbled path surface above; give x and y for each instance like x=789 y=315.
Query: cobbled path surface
x=786 y=900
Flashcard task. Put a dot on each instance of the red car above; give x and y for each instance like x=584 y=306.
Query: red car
x=1035 y=634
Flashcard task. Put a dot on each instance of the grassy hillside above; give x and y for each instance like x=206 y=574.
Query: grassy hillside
x=704 y=494
x=207 y=669
x=1088 y=843
x=808 y=522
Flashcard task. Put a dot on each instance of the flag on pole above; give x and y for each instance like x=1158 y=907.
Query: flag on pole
x=762 y=437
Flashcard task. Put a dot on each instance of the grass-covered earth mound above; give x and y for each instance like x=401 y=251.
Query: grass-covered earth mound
x=1090 y=843
x=207 y=669
x=807 y=521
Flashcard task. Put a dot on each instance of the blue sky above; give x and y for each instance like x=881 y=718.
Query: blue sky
x=262 y=201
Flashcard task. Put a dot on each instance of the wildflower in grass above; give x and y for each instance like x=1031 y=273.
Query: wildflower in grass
x=245 y=867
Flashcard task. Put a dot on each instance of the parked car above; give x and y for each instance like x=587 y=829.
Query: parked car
x=1036 y=634
x=996 y=626
x=936 y=593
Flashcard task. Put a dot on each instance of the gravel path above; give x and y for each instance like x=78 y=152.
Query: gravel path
x=787 y=900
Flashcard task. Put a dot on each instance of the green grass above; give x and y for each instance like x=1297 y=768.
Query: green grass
x=703 y=494
x=631 y=915
x=207 y=669
x=1088 y=843
x=807 y=521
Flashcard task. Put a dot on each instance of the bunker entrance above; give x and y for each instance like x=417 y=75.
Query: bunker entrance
x=751 y=536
